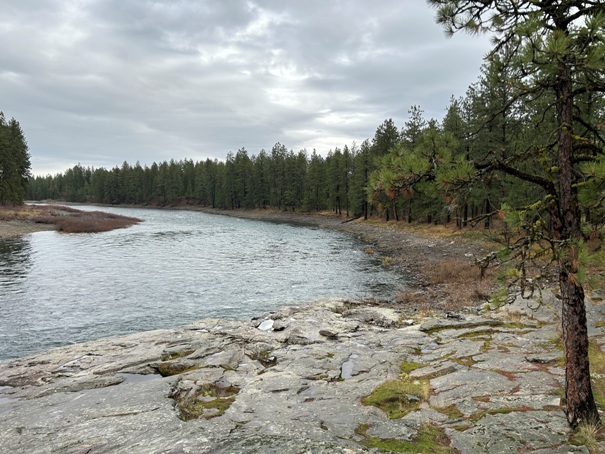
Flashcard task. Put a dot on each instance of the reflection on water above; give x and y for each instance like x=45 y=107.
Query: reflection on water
x=174 y=268
x=15 y=263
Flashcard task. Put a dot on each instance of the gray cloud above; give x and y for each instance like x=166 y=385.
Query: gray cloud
x=103 y=81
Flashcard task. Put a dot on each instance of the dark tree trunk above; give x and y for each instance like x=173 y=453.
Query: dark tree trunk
x=465 y=215
x=579 y=400
x=488 y=219
x=580 y=406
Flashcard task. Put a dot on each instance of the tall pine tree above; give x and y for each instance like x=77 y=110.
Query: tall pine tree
x=15 y=163
x=557 y=52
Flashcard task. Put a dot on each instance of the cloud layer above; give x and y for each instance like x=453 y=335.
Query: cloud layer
x=103 y=81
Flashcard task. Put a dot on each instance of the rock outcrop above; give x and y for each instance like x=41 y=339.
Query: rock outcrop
x=293 y=381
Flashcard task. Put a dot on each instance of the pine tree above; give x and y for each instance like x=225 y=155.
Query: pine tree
x=556 y=50
x=15 y=163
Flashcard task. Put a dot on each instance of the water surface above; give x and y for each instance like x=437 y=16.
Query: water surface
x=172 y=269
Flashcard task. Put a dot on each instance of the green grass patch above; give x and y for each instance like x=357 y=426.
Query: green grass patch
x=168 y=369
x=596 y=358
x=515 y=325
x=467 y=361
x=475 y=417
x=451 y=411
x=204 y=408
x=479 y=335
x=407 y=367
x=463 y=325
x=429 y=440
x=461 y=427
x=597 y=370
x=556 y=342
x=397 y=398
x=598 y=390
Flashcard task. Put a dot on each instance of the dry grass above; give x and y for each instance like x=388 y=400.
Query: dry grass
x=435 y=231
x=67 y=219
x=450 y=285
x=589 y=436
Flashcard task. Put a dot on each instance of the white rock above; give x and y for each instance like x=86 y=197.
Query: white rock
x=267 y=325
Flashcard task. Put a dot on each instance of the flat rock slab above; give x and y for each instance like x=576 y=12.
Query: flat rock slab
x=538 y=430
x=219 y=386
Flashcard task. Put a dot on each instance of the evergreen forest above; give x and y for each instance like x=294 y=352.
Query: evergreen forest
x=14 y=162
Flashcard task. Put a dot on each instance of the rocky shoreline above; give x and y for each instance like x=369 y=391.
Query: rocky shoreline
x=294 y=381
x=305 y=379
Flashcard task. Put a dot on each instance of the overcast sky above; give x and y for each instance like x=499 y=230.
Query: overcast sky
x=99 y=82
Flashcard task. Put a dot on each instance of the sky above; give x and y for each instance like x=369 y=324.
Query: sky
x=100 y=82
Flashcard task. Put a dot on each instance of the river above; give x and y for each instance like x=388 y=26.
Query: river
x=171 y=269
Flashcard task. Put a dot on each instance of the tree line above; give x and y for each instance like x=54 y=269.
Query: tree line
x=384 y=176
x=417 y=172
x=279 y=179
x=14 y=162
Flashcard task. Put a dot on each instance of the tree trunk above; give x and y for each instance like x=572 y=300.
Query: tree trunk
x=580 y=406
x=579 y=400
x=487 y=221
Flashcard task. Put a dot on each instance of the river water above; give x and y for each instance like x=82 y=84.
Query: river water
x=171 y=269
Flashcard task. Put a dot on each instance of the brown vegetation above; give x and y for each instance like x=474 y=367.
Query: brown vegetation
x=64 y=219
x=450 y=285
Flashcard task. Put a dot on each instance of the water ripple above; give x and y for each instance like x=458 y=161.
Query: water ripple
x=173 y=268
